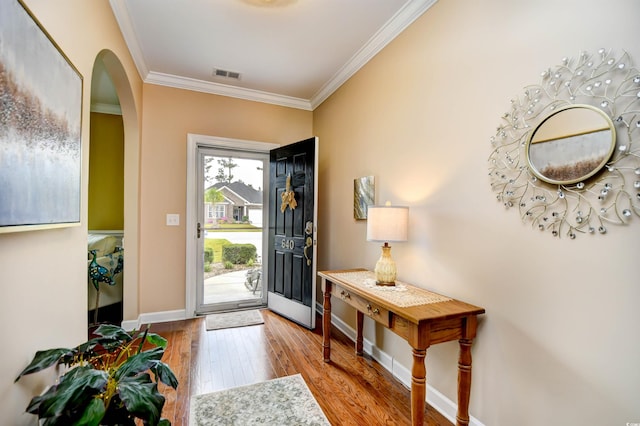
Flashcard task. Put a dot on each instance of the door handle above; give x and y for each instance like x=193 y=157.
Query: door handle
x=308 y=243
x=198 y=230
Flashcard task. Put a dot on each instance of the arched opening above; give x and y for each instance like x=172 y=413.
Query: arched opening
x=113 y=197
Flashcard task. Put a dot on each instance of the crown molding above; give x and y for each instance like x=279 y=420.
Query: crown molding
x=411 y=11
x=121 y=13
x=226 y=90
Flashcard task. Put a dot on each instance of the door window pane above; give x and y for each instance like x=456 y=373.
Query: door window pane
x=232 y=276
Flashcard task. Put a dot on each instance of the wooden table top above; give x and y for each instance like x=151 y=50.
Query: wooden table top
x=447 y=308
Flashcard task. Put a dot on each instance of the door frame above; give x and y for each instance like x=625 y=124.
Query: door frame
x=193 y=142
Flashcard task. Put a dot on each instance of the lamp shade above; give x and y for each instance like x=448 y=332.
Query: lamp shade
x=387 y=223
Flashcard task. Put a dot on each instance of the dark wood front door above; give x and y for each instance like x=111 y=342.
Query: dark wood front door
x=292 y=231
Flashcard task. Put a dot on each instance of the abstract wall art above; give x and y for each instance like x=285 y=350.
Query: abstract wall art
x=40 y=126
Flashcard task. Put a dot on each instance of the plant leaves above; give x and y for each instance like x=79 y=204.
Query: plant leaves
x=117 y=414
x=94 y=413
x=139 y=362
x=109 y=336
x=76 y=398
x=164 y=374
x=34 y=405
x=157 y=340
x=43 y=359
x=141 y=397
x=75 y=389
x=113 y=332
x=58 y=421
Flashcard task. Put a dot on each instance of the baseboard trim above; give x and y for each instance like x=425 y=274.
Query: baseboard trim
x=436 y=399
x=154 y=317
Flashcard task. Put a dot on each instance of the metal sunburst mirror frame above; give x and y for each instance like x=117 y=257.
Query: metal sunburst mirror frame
x=612 y=195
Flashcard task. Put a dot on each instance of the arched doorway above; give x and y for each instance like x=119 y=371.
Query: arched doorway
x=111 y=94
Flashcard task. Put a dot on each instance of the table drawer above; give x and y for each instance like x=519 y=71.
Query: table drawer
x=370 y=309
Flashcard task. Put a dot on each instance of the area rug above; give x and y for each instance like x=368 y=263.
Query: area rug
x=282 y=402
x=233 y=319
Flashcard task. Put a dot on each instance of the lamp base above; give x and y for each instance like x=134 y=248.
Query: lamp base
x=385 y=268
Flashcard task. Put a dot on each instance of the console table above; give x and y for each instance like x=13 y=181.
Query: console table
x=420 y=317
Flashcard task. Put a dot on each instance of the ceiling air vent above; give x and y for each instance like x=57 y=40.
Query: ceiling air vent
x=226 y=74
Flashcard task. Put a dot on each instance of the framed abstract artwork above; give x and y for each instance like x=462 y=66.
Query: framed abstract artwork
x=363 y=196
x=40 y=126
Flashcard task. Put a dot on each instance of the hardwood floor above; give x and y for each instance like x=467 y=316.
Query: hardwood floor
x=351 y=390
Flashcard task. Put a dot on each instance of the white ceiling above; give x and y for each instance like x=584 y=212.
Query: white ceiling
x=288 y=52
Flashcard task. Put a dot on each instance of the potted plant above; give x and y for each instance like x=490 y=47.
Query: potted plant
x=108 y=380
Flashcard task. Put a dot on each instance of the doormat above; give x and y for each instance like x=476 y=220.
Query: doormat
x=282 y=401
x=233 y=319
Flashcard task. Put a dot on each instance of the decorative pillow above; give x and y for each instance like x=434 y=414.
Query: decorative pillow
x=102 y=244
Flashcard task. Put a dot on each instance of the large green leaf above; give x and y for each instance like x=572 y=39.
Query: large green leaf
x=98 y=345
x=44 y=359
x=113 y=332
x=94 y=413
x=108 y=338
x=164 y=374
x=157 y=340
x=75 y=390
x=141 y=397
x=139 y=362
x=89 y=345
x=34 y=405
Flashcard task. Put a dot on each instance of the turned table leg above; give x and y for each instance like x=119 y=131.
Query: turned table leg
x=464 y=382
x=418 y=387
x=326 y=322
x=359 y=330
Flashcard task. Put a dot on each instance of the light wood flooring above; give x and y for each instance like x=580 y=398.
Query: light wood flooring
x=351 y=390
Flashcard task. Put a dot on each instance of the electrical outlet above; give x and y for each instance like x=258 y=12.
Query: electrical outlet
x=173 y=219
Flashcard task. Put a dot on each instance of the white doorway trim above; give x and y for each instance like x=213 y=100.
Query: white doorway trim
x=193 y=142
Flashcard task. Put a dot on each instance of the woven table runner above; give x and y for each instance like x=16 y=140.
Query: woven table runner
x=400 y=294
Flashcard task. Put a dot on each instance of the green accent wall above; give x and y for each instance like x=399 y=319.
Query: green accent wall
x=106 y=172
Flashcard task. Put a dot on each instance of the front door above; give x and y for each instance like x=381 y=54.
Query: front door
x=292 y=231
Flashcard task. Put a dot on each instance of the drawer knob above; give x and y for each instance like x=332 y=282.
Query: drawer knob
x=345 y=295
x=374 y=311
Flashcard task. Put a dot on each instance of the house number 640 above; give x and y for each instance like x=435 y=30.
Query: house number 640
x=288 y=244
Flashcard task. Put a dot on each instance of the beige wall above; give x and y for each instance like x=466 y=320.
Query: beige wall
x=559 y=343
x=169 y=115
x=43 y=278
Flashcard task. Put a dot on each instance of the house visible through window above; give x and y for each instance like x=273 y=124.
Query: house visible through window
x=220 y=211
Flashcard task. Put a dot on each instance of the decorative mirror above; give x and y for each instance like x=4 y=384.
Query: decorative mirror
x=571 y=145
x=567 y=155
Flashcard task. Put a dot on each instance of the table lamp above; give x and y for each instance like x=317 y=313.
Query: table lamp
x=387 y=223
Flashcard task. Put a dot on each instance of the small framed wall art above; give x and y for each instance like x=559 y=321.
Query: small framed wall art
x=363 y=196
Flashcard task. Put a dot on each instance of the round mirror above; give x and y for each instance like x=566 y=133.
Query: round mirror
x=571 y=145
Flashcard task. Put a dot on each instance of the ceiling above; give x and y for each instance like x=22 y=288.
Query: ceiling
x=294 y=53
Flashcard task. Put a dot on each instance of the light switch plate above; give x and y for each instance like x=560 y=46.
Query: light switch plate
x=173 y=219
